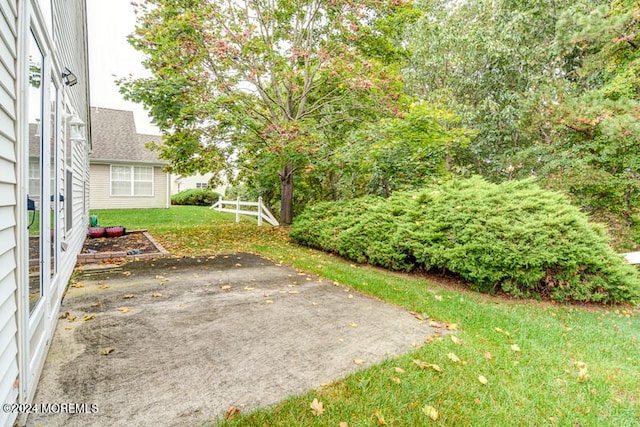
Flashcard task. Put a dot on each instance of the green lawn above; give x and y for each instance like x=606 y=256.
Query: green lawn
x=520 y=363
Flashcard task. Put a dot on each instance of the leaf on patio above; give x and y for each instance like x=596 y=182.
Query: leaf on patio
x=78 y=285
x=156 y=295
x=88 y=317
x=353 y=324
x=128 y=296
x=123 y=309
x=225 y=287
x=358 y=361
x=317 y=407
x=107 y=350
x=104 y=287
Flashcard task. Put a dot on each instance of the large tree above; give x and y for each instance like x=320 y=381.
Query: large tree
x=268 y=84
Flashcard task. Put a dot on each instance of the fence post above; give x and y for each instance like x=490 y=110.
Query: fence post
x=238 y=209
x=260 y=211
x=219 y=203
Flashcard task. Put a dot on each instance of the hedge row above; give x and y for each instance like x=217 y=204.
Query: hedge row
x=514 y=237
x=195 y=196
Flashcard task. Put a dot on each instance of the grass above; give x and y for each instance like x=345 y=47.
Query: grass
x=545 y=364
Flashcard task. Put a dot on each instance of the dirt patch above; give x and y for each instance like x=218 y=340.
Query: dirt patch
x=133 y=245
x=191 y=337
x=126 y=243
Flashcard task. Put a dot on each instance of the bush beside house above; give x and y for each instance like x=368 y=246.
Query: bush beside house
x=514 y=237
x=196 y=197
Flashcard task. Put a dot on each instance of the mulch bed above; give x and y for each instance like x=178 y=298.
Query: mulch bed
x=129 y=242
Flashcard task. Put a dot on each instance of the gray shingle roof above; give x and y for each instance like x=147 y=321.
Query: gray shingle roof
x=114 y=138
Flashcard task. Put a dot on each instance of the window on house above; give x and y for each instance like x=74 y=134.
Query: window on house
x=131 y=180
x=202 y=185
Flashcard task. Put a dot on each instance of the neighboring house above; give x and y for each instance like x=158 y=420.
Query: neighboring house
x=44 y=171
x=124 y=173
x=181 y=183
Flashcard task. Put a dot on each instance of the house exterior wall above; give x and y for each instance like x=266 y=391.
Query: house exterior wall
x=101 y=198
x=181 y=183
x=25 y=331
x=9 y=357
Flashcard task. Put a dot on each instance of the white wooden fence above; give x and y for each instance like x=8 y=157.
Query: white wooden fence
x=262 y=213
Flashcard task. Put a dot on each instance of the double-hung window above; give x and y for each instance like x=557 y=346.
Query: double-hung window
x=131 y=180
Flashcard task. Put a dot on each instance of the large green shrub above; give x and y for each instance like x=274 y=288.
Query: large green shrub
x=514 y=237
x=195 y=196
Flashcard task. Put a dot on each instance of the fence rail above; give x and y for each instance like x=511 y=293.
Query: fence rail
x=263 y=213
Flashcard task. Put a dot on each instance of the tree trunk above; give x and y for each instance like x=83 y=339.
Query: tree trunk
x=286 y=194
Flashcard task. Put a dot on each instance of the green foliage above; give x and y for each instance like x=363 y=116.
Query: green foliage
x=272 y=85
x=514 y=237
x=195 y=197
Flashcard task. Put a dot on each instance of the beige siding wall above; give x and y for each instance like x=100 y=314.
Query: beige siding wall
x=8 y=220
x=100 y=191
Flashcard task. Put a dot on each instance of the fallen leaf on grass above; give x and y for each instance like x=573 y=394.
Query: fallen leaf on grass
x=399 y=370
x=430 y=411
x=488 y=355
x=88 y=317
x=425 y=365
x=232 y=412
x=456 y=340
x=515 y=347
x=451 y=326
x=380 y=418
x=107 y=350
x=123 y=309
x=343 y=424
x=317 y=407
x=453 y=357
x=482 y=379
x=438 y=297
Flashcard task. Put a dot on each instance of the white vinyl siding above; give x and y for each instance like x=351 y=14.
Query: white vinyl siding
x=8 y=221
x=131 y=180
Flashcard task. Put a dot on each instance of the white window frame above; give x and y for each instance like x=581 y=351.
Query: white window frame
x=132 y=180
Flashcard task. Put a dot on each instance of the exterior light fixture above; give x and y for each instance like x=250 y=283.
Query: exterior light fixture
x=69 y=78
x=77 y=129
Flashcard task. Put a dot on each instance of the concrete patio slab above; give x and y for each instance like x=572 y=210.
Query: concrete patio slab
x=177 y=341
